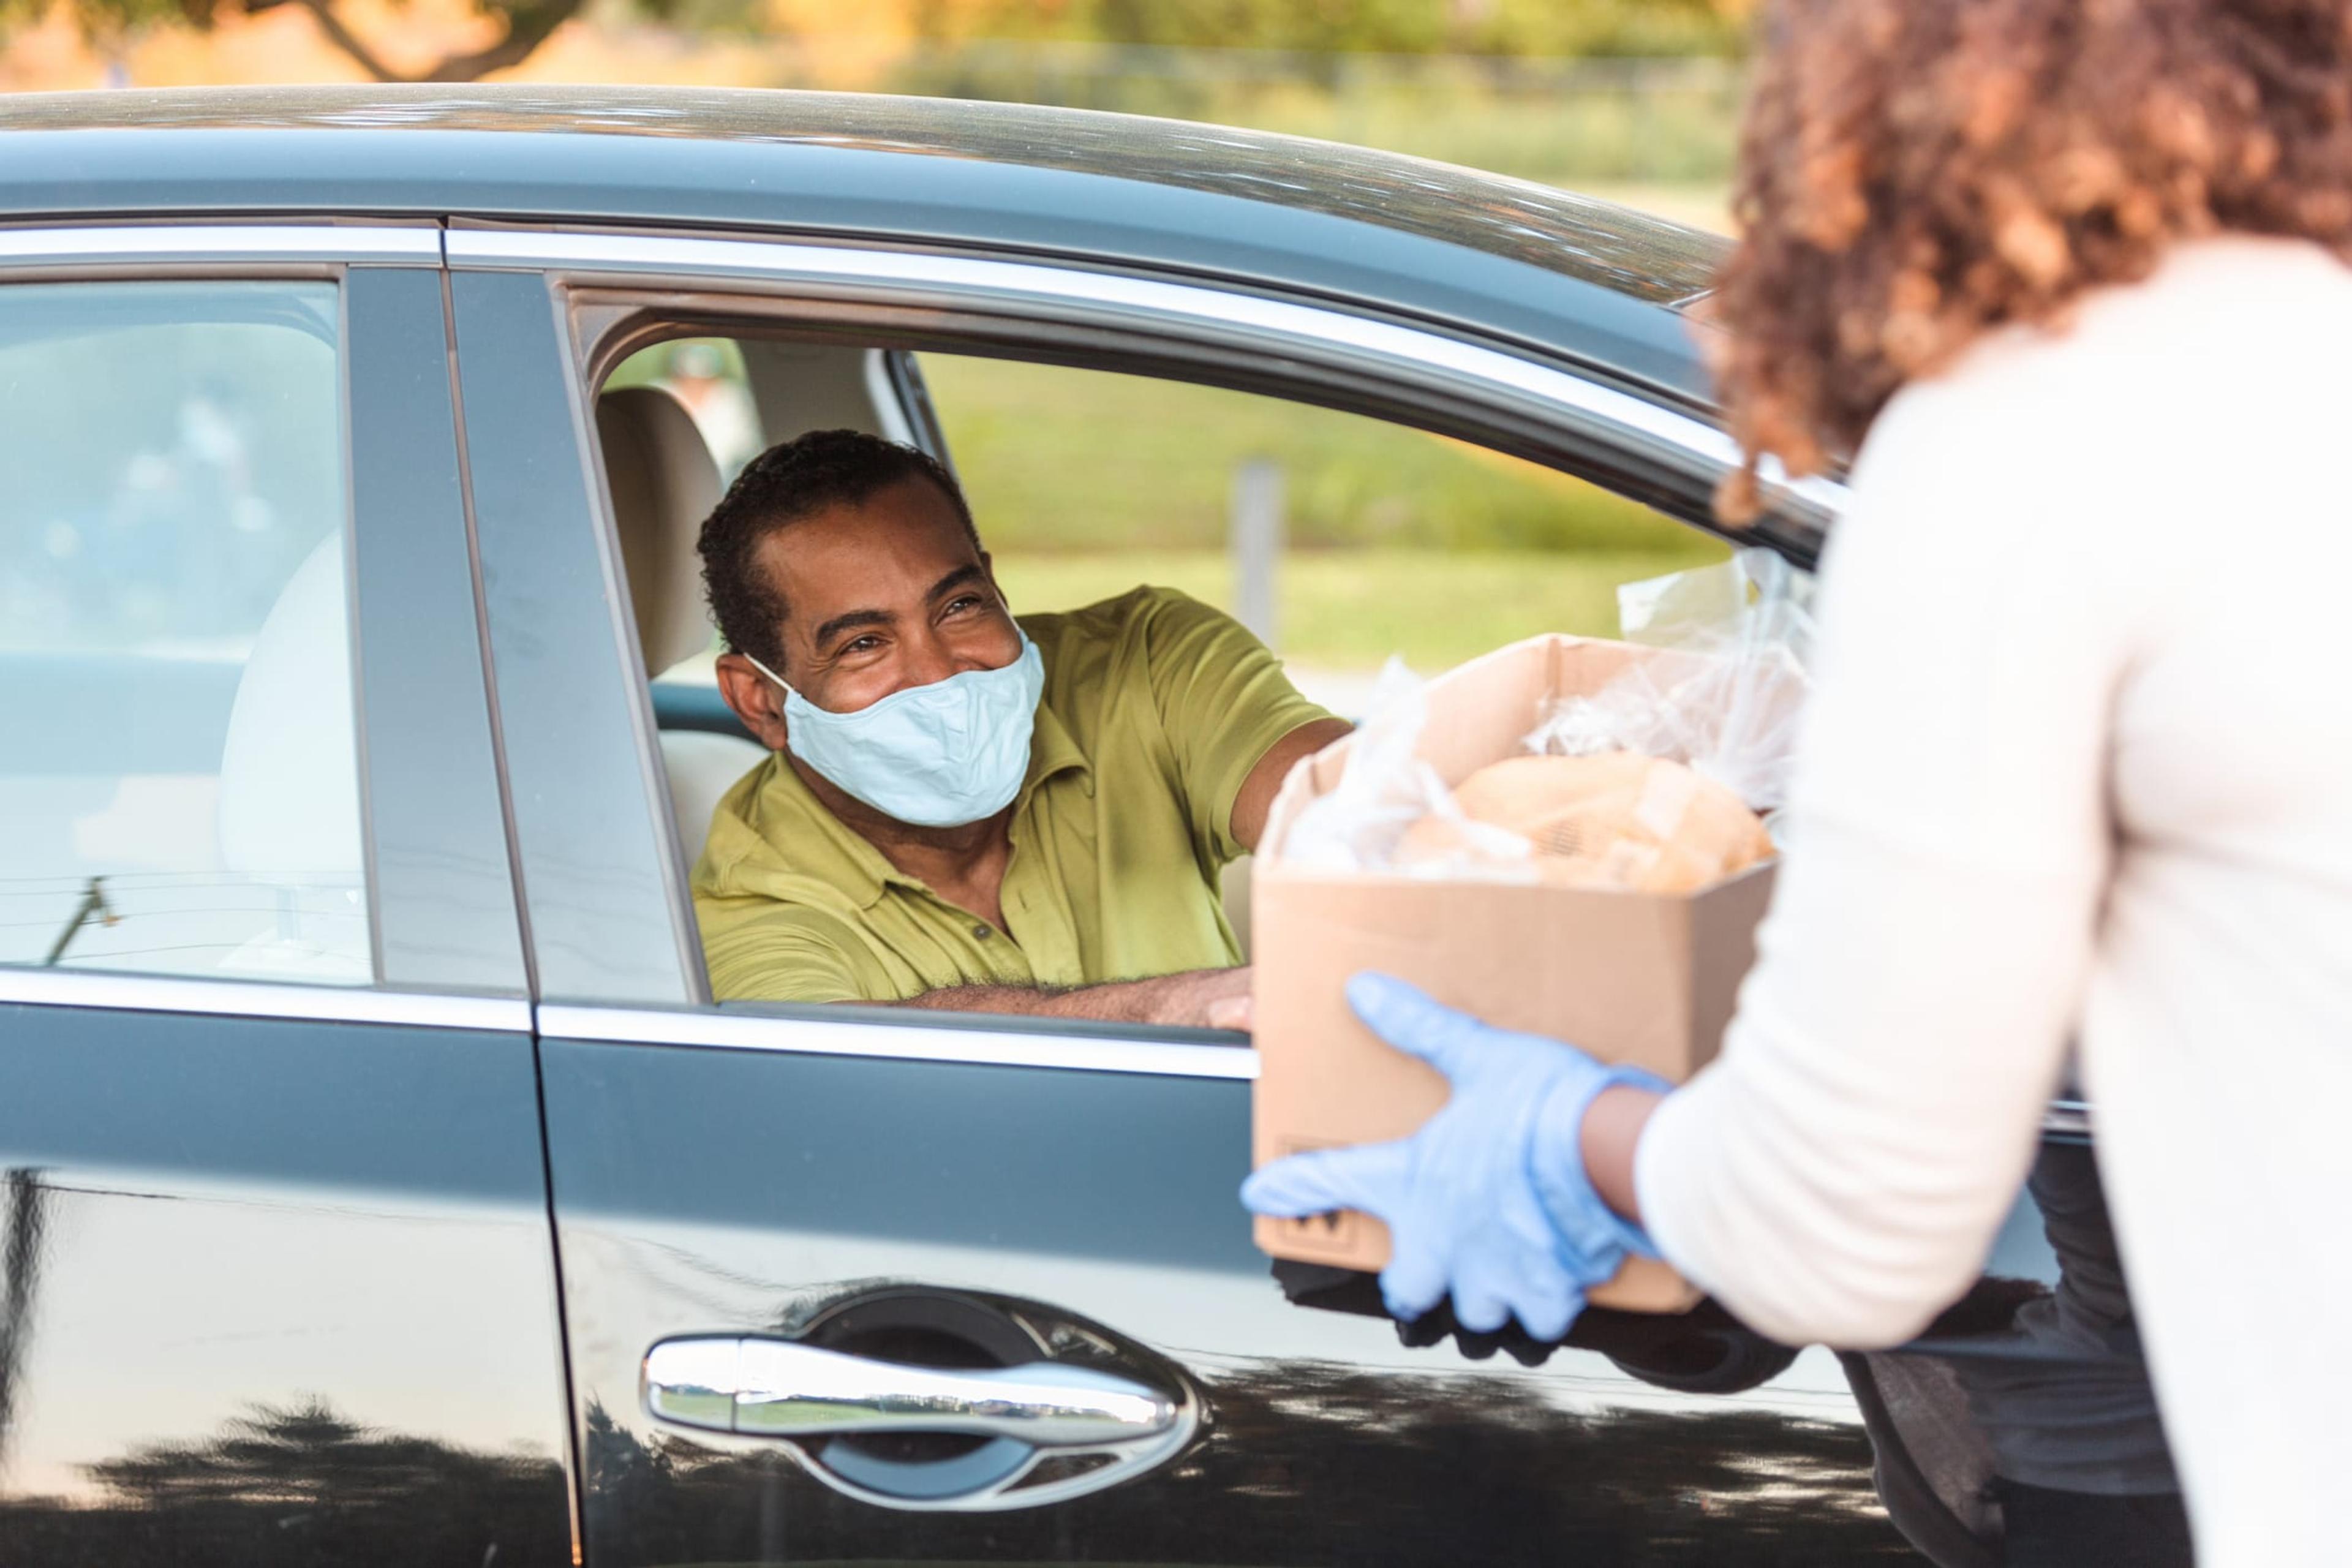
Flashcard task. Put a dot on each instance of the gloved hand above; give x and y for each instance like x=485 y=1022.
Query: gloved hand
x=1489 y=1199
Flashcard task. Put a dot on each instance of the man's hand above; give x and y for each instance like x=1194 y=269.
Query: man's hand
x=1195 y=999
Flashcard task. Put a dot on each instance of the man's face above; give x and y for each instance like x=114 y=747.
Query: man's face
x=889 y=593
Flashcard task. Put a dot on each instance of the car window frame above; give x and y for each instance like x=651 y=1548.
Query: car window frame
x=605 y=909
x=1560 y=412
x=403 y=989
x=618 y=291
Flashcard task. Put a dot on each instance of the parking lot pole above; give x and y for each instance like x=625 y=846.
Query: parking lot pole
x=1256 y=537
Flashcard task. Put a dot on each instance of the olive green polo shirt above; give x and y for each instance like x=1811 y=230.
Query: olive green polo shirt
x=1155 y=711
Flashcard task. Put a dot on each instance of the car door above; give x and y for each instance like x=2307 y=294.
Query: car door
x=275 y=1276
x=849 y=1285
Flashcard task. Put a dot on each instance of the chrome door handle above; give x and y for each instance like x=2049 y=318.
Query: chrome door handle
x=780 y=1388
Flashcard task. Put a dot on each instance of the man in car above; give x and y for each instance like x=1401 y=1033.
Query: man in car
x=966 y=810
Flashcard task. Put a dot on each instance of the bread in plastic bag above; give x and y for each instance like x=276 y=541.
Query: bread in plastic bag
x=1614 y=820
x=1385 y=789
x=1652 y=784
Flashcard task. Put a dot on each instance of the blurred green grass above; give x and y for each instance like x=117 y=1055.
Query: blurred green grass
x=1061 y=460
x=1348 y=610
x=1085 y=484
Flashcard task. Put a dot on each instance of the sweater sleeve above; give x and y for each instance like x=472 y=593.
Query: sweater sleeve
x=1839 y=1172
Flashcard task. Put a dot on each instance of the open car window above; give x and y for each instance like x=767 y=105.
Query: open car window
x=1339 y=539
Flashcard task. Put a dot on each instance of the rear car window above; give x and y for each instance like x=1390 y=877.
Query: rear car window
x=179 y=778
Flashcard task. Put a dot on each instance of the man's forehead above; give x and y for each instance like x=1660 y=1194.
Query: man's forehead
x=894 y=545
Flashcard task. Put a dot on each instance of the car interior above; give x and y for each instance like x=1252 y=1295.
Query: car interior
x=663 y=478
x=664 y=481
x=262 y=756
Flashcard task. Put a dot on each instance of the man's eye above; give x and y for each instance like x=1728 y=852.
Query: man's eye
x=861 y=644
x=967 y=602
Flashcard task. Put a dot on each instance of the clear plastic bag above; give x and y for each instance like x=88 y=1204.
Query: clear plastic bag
x=1731 y=710
x=1728 y=710
x=1385 y=788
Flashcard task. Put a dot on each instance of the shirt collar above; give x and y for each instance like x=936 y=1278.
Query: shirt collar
x=1052 y=750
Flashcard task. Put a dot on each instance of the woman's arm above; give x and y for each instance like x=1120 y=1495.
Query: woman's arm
x=1838 y=1174
x=1612 y=1132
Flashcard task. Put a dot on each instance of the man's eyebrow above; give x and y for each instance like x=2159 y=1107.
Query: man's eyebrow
x=963 y=575
x=851 y=622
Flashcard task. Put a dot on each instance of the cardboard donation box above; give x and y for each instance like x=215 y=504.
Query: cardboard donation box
x=1645 y=978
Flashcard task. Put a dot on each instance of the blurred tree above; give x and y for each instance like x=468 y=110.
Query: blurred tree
x=525 y=26
x=1328 y=28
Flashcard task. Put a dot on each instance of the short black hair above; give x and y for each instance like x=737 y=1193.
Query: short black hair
x=791 y=480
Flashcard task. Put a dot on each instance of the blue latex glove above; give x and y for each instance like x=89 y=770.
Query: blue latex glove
x=1489 y=1200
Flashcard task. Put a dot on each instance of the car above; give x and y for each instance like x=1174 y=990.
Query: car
x=383 y=1182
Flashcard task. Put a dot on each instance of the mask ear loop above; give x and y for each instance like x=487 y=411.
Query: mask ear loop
x=771 y=675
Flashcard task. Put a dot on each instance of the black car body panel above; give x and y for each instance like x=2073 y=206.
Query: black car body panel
x=685 y=1205
x=277 y=1292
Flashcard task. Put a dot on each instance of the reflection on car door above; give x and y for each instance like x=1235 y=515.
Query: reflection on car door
x=982 y=1214
x=730 y=1177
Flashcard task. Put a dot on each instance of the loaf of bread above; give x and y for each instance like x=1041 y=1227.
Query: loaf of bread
x=1616 y=820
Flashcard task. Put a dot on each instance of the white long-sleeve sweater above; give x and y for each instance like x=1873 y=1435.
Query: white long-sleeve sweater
x=2078 y=768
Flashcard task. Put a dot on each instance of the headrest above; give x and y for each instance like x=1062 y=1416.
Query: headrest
x=663 y=483
x=289 y=780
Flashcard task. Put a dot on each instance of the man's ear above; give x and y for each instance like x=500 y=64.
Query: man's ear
x=755 y=698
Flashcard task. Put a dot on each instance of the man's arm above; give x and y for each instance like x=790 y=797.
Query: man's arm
x=1255 y=801
x=1233 y=720
x=1197 y=998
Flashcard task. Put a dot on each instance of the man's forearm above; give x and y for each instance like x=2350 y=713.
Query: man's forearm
x=1182 y=998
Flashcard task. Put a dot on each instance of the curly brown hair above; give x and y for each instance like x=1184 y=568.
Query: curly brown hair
x=1916 y=173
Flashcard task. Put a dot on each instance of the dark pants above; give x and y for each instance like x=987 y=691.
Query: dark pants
x=2047 y=1528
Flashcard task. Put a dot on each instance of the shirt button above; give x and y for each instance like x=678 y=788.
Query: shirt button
x=983 y=932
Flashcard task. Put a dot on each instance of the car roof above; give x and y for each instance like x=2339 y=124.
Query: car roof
x=1587 y=280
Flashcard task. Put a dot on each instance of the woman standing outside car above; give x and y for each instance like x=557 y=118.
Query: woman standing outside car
x=2069 y=279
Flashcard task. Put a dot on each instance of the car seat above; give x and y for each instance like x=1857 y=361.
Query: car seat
x=664 y=482
x=289 y=786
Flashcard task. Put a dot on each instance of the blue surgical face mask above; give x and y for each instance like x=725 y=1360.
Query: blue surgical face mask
x=936 y=756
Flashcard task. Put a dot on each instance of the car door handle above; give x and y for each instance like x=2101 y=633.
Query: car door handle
x=779 y=1388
